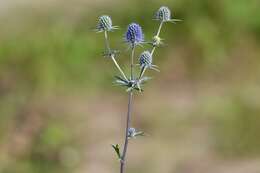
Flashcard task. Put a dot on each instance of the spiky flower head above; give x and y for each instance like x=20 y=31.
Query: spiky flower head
x=145 y=59
x=134 y=34
x=163 y=14
x=146 y=62
x=105 y=24
x=131 y=132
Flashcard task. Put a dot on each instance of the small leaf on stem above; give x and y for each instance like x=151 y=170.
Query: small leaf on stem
x=117 y=150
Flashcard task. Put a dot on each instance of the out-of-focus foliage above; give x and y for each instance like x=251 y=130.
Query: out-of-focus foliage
x=56 y=89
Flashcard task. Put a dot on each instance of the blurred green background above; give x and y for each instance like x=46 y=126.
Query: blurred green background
x=59 y=111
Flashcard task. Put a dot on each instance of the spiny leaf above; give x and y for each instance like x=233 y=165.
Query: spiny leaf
x=117 y=150
x=121 y=79
x=140 y=133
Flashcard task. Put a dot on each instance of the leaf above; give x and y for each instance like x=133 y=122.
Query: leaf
x=117 y=150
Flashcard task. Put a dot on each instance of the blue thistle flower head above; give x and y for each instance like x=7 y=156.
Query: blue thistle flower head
x=145 y=59
x=134 y=34
x=163 y=14
x=105 y=24
x=146 y=62
x=131 y=132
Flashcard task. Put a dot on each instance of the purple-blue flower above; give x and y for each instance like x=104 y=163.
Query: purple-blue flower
x=146 y=59
x=134 y=34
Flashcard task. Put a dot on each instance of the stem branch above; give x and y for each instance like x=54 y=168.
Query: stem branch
x=152 y=51
x=113 y=57
x=132 y=61
x=157 y=35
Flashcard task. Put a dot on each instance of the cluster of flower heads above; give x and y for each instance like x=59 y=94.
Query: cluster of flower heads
x=134 y=36
x=134 y=32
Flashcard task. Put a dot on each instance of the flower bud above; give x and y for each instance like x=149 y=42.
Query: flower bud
x=157 y=41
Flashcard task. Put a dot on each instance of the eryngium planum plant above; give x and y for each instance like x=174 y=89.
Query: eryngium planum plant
x=134 y=36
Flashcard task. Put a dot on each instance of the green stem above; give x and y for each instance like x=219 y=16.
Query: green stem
x=157 y=35
x=107 y=43
x=142 y=72
x=132 y=62
x=113 y=57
